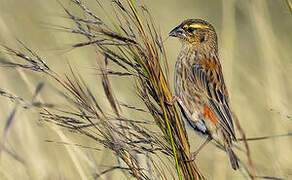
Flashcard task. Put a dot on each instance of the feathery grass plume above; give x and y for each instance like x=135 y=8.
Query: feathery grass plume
x=127 y=39
x=128 y=46
x=135 y=46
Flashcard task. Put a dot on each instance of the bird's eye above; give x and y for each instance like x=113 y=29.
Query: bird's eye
x=191 y=29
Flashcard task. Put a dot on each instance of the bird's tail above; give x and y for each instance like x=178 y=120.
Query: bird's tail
x=233 y=158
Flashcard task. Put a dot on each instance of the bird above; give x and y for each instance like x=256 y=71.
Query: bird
x=200 y=91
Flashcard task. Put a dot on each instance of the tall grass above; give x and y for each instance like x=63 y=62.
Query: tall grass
x=136 y=47
x=127 y=44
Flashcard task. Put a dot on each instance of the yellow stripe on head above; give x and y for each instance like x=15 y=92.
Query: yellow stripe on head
x=198 y=26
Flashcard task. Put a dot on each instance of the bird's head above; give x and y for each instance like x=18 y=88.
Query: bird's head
x=195 y=32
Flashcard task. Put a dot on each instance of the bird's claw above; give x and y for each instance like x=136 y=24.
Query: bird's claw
x=193 y=157
x=170 y=103
x=173 y=100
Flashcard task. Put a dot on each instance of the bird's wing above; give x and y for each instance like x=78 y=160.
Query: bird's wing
x=209 y=79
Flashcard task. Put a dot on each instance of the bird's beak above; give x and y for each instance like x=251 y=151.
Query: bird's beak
x=177 y=32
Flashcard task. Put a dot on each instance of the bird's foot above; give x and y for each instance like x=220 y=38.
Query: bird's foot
x=173 y=100
x=193 y=157
x=194 y=154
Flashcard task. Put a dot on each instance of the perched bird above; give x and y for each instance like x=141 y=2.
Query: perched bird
x=199 y=86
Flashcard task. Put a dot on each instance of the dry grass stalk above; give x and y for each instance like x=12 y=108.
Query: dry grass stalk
x=131 y=42
x=136 y=47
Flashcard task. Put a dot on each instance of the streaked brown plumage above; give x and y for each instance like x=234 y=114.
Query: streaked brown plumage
x=199 y=85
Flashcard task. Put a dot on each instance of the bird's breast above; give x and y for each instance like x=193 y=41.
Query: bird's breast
x=184 y=85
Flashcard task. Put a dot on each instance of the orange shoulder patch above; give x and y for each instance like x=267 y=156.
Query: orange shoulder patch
x=209 y=114
x=209 y=64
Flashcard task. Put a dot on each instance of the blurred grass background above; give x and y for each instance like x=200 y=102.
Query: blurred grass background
x=256 y=51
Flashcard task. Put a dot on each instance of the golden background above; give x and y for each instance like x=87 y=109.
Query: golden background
x=255 y=49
